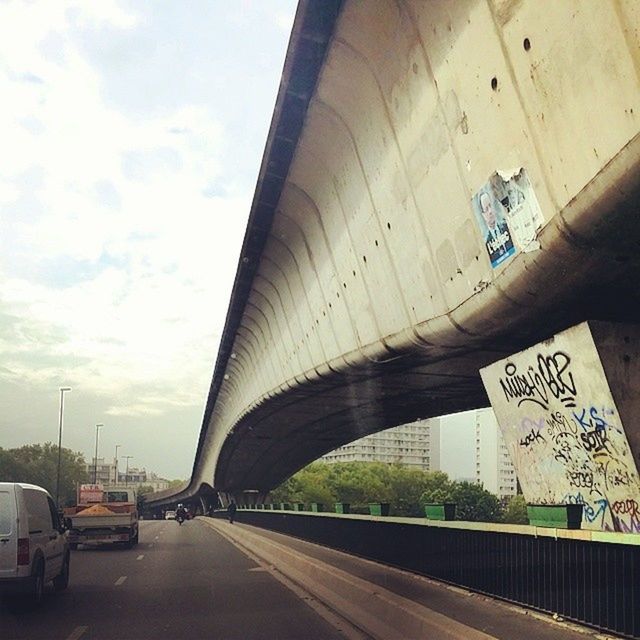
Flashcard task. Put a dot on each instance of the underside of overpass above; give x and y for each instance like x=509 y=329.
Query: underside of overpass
x=367 y=294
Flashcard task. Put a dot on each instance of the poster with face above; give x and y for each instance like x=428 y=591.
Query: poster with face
x=508 y=215
x=490 y=216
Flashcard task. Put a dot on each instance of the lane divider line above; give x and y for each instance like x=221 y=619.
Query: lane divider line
x=120 y=580
x=140 y=556
x=77 y=633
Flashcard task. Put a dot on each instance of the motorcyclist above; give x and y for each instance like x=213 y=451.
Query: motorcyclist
x=181 y=514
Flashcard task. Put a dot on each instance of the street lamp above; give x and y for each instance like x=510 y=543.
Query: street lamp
x=95 y=460
x=115 y=481
x=126 y=475
x=62 y=390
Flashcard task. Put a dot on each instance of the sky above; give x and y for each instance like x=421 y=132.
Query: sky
x=132 y=134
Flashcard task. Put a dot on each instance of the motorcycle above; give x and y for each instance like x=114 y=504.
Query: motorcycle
x=180 y=519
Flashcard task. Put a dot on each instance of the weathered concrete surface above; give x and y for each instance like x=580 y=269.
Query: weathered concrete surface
x=365 y=295
x=567 y=408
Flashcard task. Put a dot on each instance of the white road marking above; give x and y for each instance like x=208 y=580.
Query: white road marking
x=120 y=580
x=76 y=634
x=140 y=557
x=156 y=538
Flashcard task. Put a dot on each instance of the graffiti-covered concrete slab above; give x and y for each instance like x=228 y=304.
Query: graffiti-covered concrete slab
x=567 y=411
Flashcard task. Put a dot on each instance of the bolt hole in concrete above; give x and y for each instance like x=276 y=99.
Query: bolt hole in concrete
x=526 y=44
x=388 y=225
x=494 y=83
x=364 y=259
x=377 y=245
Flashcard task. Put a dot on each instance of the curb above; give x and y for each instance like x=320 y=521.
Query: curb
x=380 y=613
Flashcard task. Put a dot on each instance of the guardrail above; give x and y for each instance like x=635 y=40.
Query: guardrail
x=590 y=577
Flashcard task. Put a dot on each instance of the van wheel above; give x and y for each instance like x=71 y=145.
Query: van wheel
x=61 y=582
x=38 y=585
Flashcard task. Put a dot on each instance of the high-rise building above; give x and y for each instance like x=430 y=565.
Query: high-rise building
x=494 y=469
x=104 y=472
x=416 y=444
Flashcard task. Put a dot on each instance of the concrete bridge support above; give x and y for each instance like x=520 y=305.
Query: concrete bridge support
x=569 y=412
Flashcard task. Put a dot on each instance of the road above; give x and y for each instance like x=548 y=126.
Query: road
x=179 y=582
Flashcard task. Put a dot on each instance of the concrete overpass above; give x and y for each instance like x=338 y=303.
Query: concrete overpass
x=368 y=292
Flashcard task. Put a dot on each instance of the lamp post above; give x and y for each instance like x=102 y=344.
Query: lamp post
x=62 y=390
x=115 y=480
x=126 y=475
x=95 y=460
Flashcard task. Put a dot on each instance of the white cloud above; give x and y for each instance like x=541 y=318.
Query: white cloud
x=149 y=313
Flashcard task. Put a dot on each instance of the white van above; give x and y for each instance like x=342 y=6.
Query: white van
x=33 y=547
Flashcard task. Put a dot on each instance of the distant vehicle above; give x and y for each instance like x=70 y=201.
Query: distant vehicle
x=103 y=515
x=170 y=515
x=33 y=547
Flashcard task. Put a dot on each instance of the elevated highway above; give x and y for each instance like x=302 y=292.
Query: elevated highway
x=370 y=289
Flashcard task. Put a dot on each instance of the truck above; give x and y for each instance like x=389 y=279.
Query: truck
x=103 y=515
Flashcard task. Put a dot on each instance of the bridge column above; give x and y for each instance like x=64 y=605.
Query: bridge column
x=569 y=411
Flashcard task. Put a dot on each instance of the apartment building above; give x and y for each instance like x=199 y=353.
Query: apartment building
x=416 y=444
x=494 y=469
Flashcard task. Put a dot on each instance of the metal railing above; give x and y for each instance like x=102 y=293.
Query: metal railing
x=590 y=577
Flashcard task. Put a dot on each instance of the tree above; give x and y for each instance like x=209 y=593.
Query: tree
x=38 y=464
x=438 y=488
x=475 y=503
x=405 y=488
x=141 y=496
x=516 y=511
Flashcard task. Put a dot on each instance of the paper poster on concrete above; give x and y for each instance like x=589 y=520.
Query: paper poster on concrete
x=491 y=220
x=522 y=210
x=564 y=432
x=508 y=215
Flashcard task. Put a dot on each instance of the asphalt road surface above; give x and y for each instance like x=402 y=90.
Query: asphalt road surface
x=179 y=582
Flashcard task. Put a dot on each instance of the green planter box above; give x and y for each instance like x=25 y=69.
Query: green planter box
x=444 y=511
x=317 y=507
x=285 y=506
x=298 y=506
x=559 y=516
x=343 y=507
x=379 y=508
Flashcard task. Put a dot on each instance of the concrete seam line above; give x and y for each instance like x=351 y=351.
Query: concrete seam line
x=384 y=605
x=333 y=616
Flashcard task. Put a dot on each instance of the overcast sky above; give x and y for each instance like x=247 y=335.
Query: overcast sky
x=132 y=133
